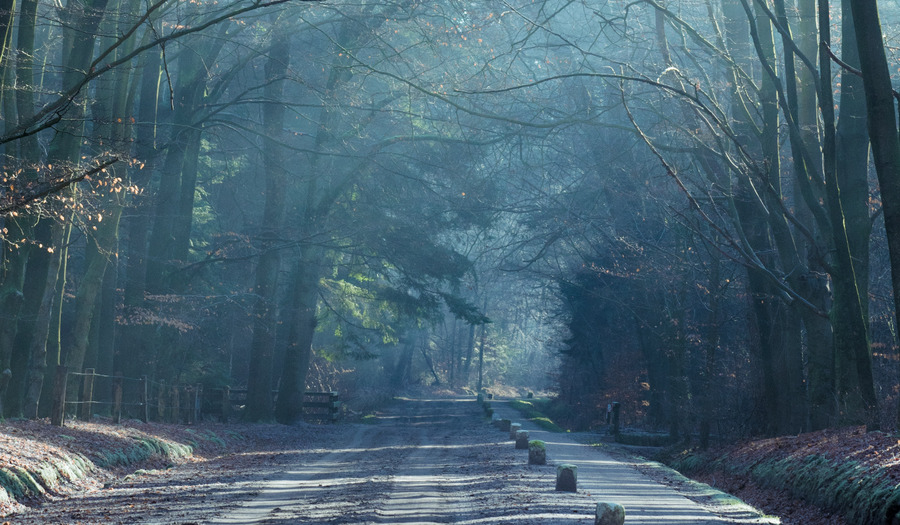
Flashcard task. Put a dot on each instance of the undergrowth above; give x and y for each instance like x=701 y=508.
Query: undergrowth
x=534 y=410
x=862 y=494
x=69 y=466
x=143 y=448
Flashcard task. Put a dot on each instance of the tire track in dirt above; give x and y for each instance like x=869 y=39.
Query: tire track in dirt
x=423 y=489
x=338 y=487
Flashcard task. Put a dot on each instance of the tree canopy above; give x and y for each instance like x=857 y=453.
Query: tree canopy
x=671 y=205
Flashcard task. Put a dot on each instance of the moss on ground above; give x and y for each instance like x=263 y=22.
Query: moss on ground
x=69 y=462
x=537 y=444
x=142 y=449
x=862 y=494
x=533 y=410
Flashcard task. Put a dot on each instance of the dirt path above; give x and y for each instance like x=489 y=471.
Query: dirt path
x=425 y=461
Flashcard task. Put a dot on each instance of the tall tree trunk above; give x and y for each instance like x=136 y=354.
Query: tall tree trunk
x=28 y=158
x=470 y=348
x=54 y=334
x=37 y=364
x=12 y=281
x=170 y=236
x=707 y=393
x=402 y=370
x=262 y=347
x=885 y=140
x=97 y=257
x=133 y=335
x=27 y=329
x=850 y=207
x=303 y=320
x=106 y=319
x=161 y=261
x=7 y=15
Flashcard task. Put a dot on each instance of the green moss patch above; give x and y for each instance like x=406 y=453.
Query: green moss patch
x=847 y=472
x=533 y=410
x=142 y=449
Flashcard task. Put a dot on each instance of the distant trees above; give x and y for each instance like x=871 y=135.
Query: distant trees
x=676 y=202
x=765 y=172
x=173 y=126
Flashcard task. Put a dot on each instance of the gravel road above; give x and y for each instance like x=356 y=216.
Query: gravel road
x=423 y=461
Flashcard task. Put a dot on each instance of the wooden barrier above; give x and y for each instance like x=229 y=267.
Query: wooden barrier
x=117 y=397
x=322 y=406
x=317 y=406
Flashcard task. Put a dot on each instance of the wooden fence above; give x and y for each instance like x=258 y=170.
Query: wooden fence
x=317 y=406
x=85 y=394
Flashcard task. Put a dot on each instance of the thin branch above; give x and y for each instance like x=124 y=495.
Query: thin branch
x=18 y=200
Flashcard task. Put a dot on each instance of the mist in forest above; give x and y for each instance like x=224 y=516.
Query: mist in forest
x=689 y=208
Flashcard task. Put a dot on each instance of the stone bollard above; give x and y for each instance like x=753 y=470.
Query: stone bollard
x=567 y=478
x=513 y=428
x=504 y=425
x=522 y=440
x=609 y=514
x=537 y=452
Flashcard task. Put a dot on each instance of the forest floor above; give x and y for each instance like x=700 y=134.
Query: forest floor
x=423 y=461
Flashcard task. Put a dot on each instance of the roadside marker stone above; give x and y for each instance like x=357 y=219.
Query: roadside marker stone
x=513 y=428
x=609 y=514
x=522 y=440
x=537 y=452
x=567 y=478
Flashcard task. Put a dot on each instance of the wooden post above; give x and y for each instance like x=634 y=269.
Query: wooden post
x=117 y=398
x=145 y=398
x=334 y=406
x=87 y=394
x=58 y=410
x=226 y=404
x=161 y=402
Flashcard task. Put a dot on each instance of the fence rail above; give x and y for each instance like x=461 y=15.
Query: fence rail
x=316 y=406
x=85 y=394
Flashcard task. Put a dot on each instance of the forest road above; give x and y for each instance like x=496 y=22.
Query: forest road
x=439 y=461
x=422 y=461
